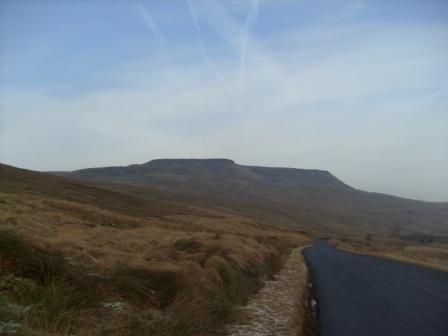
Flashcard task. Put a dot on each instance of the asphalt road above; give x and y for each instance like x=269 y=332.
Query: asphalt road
x=368 y=296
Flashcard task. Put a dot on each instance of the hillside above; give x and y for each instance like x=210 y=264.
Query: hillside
x=70 y=201
x=299 y=198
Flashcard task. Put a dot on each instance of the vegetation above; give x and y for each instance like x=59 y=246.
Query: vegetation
x=41 y=292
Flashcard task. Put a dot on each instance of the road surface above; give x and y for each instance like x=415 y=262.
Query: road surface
x=361 y=295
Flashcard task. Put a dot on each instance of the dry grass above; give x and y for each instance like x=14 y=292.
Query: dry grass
x=181 y=296
x=433 y=255
x=173 y=272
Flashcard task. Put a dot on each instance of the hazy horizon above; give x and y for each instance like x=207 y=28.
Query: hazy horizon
x=356 y=87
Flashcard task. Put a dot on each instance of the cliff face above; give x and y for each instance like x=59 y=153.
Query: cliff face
x=302 y=198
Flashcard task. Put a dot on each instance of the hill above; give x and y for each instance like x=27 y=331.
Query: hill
x=297 y=198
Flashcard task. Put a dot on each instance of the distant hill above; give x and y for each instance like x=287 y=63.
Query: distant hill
x=300 y=198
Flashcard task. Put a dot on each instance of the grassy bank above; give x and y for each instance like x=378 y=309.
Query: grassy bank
x=42 y=293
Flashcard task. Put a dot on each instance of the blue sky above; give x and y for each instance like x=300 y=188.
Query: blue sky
x=357 y=87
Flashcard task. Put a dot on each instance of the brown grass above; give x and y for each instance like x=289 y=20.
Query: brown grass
x=177 y=298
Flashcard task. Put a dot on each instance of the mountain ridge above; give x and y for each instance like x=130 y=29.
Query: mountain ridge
x=301 y=198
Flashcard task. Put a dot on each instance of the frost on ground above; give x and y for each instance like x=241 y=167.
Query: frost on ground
x=276 y=309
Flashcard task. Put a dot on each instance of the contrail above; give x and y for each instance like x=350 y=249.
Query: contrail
x=180 y=87
x=250 y=21
x=208 y=62
x=153 y=27
x=160 y=38
x=194 y=14
x=158 y=35
x=252 y=17
x=215 y=70
x=175 y=81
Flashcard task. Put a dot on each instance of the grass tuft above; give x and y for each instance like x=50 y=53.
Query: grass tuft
x=144 y=286
x=42 y=281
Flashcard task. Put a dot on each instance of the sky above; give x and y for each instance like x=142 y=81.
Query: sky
x=356 y=87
